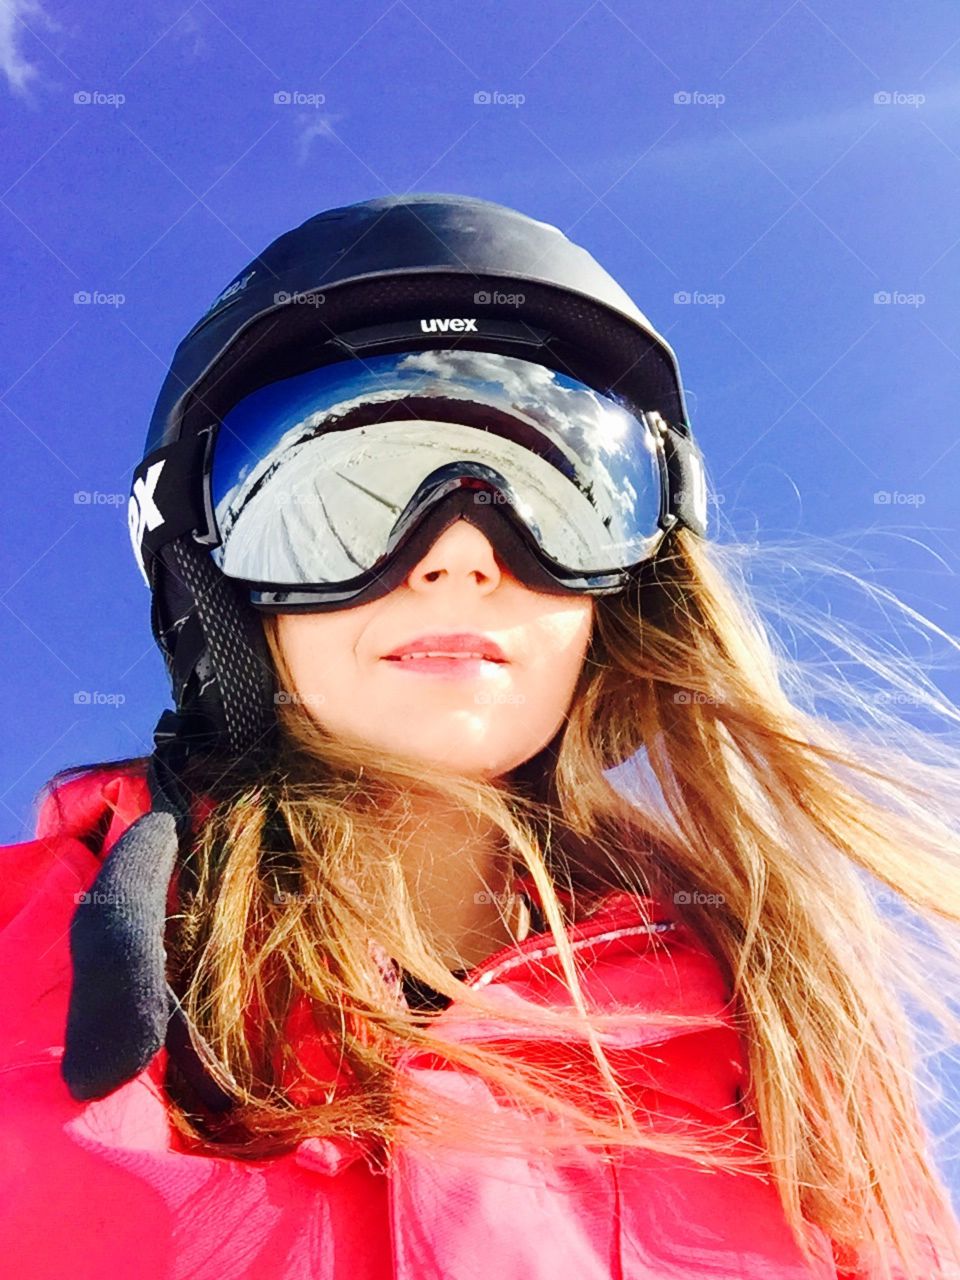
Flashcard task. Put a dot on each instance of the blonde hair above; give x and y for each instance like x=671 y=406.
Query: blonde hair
x=782 y=832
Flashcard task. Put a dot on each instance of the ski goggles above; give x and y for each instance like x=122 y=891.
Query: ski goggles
x=321 y=485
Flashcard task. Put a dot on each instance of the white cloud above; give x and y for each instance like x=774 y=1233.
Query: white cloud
x=13 y=65
x=792 y=134
x=189 y=25
x=312 y=126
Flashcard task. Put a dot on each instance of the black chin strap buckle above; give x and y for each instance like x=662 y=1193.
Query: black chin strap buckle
x=168 y=736
x=170 y=752
x=175 y=737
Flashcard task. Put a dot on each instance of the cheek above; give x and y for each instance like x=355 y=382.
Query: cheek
x=557 y=657
x=319 y=654
x=563 y=635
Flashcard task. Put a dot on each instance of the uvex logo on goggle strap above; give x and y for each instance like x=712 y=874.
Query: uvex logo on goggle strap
x=142 y=511
x=449 y=326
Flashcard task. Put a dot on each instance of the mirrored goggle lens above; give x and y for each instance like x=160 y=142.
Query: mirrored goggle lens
x=311 y=474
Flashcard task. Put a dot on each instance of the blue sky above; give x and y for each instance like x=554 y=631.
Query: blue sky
x=776 y=184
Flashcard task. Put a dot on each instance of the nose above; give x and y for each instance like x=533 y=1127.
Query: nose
x=462 y=552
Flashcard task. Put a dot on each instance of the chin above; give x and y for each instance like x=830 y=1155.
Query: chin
x=471 y=766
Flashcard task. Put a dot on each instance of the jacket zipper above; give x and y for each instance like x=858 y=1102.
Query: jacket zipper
x=613 y=923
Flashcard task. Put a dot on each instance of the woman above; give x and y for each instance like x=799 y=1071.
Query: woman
x=372 y=970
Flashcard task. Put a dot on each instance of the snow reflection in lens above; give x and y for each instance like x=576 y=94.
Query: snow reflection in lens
x=318 y=504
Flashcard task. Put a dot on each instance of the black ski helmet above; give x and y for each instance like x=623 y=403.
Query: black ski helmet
x=349 y=281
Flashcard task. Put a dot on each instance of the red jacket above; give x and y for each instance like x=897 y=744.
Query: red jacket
x=105 y=1188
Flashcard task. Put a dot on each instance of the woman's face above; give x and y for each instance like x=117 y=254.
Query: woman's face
x=482 y=718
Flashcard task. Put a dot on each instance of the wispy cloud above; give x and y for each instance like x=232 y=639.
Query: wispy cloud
x=15 y=68
x=794 y=133
x=189 y=26
x=313 y=126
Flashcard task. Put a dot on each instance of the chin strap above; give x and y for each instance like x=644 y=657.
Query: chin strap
x=122 y=1009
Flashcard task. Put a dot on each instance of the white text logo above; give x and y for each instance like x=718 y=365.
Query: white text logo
x=232 y=289
x=452 y=326
x=143 y=513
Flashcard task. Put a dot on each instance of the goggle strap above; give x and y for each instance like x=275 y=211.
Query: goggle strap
x=168 y=497
x=687 y=481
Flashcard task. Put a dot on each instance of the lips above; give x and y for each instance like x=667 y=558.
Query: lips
x=460 y=644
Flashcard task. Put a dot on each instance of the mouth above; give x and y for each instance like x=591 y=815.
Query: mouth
x=458 y=647
x=452 y=655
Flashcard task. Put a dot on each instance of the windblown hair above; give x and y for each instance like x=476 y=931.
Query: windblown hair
x=805 y=828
